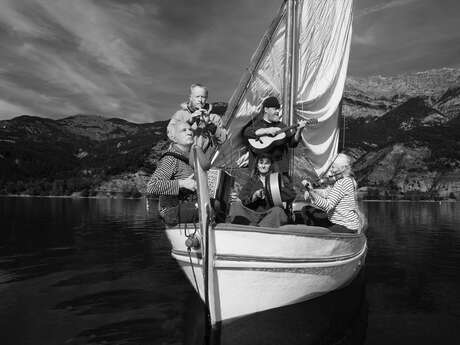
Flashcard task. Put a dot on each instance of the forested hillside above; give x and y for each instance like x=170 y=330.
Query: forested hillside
x=402 y=131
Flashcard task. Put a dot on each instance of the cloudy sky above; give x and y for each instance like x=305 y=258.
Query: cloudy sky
x=135 y=59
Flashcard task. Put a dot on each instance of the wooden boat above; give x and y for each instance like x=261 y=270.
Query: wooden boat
x=238 y=269
x=256 y=269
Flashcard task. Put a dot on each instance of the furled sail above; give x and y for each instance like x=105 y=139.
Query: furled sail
x=322 y=41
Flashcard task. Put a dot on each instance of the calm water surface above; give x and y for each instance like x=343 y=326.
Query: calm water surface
x=85 y=271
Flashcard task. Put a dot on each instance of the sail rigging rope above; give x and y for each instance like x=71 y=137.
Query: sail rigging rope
x=189 y=250
x=343 y=125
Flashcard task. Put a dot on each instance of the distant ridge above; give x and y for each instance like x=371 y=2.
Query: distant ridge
x=403 y=132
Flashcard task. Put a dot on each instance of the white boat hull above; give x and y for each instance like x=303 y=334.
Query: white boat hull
x=257 y=269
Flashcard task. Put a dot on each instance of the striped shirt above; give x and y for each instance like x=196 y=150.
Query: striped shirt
x=340 y=203
x=164 y=181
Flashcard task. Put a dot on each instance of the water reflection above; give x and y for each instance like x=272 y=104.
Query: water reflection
x=87 y=272
x=100 y=272
x=413 y=279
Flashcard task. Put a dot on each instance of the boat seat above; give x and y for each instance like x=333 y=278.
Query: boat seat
x=304 y=229
x=293 y=229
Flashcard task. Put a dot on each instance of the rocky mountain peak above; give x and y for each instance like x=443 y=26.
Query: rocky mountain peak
x=403 y=132
x=97 y=127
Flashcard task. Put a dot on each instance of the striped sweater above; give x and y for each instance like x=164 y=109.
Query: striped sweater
x=340 y=203
x=164 y=181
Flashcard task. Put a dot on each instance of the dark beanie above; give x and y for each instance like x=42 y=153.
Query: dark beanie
x=271 y=102
x=264 y=155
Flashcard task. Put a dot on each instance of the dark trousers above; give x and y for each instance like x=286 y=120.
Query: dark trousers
x=341 y=229
x=240 y=214
x=317 y=217
x=185 y=212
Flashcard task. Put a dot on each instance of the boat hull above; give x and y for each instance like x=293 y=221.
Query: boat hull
x=257 y=269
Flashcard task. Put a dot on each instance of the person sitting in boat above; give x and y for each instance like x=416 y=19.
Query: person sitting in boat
x=173 y=179
x=268 y=126
x=253 y=207
x=340 y=202
x=206 y=125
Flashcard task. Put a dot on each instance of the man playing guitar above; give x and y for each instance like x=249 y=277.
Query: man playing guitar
x=271 y=125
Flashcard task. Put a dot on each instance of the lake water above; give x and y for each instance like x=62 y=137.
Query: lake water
x=86 y=271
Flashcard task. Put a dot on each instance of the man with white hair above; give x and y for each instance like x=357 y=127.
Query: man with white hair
x=173 y=180
x=340 y=203
x=205 y=124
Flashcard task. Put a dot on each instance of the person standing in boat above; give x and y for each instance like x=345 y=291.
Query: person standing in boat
x=340 y=202
x=253 y=207
x=173 y=179
x=269 y=125
x=206 y=125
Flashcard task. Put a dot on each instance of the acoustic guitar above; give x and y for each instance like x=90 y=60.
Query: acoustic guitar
x=264 y=142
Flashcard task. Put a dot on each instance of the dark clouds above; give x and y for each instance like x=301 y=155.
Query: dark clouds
x=136 y=59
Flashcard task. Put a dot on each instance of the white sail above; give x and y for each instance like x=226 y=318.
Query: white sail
x=322 y=45
x=264 y=78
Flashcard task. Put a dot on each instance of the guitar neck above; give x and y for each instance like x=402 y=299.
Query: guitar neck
x=287 y=128
x=282 y=130
x=309 y=122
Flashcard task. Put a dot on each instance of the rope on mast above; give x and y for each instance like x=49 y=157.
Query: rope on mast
x=290 y=74
x=343 y=124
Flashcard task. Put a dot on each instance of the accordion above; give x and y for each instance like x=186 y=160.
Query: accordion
x=220 y=184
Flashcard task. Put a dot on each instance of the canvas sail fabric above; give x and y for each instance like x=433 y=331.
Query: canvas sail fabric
x=322 y=43
x=264 y=78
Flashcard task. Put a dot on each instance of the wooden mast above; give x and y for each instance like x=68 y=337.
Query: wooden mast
x=208 y=241
x=290 y=72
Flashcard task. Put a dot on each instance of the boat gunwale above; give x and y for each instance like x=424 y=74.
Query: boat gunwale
x=283 y=230
x=250 y=258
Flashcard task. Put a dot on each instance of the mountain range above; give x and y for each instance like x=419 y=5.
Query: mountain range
x=402 y=131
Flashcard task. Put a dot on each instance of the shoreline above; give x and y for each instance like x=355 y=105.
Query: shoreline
x=406 y=200
x=145 y=197
x=68 y=196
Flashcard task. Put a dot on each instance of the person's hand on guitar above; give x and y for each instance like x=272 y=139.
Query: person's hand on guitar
x=302 y=124
x=267 y=131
